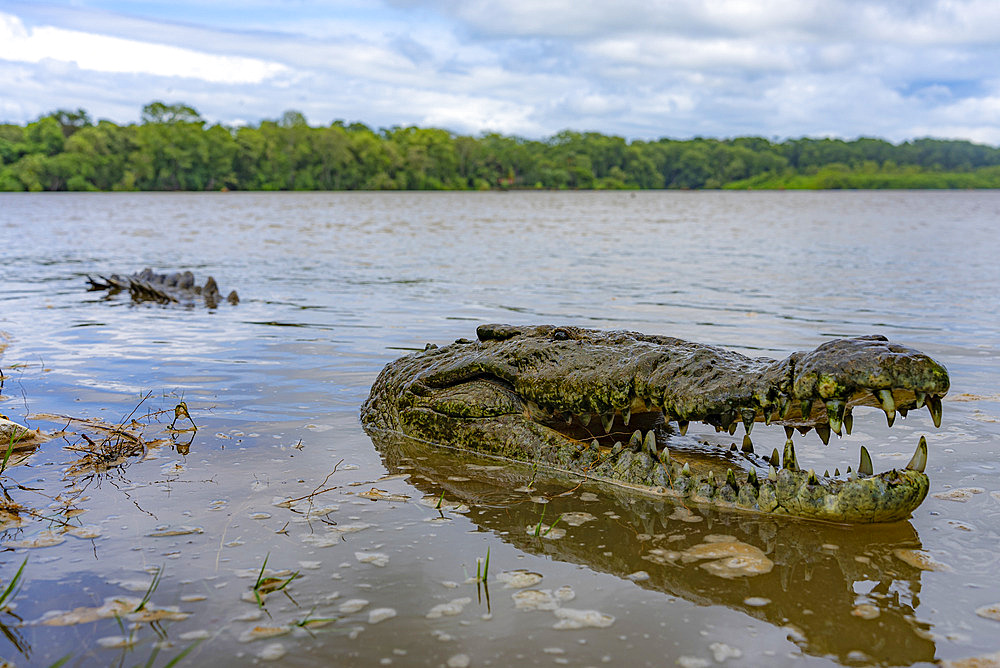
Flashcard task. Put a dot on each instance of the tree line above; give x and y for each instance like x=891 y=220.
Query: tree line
x=173 y=148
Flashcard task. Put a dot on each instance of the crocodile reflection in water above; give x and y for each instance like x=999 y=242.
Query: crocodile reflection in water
x=568 y=398
x=826 y=583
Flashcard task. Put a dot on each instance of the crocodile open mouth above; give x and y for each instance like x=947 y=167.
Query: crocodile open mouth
x=616 y=406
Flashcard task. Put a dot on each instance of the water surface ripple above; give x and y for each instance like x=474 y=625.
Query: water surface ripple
x=335 y=285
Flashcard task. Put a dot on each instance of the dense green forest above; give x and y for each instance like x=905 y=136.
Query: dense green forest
x=173 y=148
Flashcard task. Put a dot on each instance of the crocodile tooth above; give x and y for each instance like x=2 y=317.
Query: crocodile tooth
x=835 y=414
x=803 y=430
x=823 y=430
x=731 y=479
x=788 y=459
x=903 y=411
x=865 y=467
x=849 y=422
x=732 y=447
x=886 y=401
x=783 y=405
x=752 y=478
x=768 y=411
x=665 y=455
x=775 y=460
x=616 y=448
x=811 y=480
x=607 y=421
x=836 y=472
x=595 y=445
x=920 y=397
x=789 y=431
x=748 y=415
x=627 y=415
x=725 y=419
x=806 y=408
x=585 y=419
x=569 y=419
x=686 y=471
x=919 y=460
x=732 y=427
x=934 y=406
x=848 y=469
x=682 y=425
x=635 y=442
x=649 y=442
x=826 y=473
x=747 y=444
x=772 y=474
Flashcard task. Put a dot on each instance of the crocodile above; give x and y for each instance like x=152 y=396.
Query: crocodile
x=615 y=406
x=173 y=288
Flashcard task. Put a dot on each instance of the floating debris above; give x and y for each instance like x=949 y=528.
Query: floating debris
x=440 y=503
x=151 y=614
x=459 y=661
x=693 y=662
x=542 y=599
x=545 y=531
x=382 y=495
x=380 y=615
x=449 y=609
x=115 y=642
x=959 y=494
x=165 y=531
x=374 y=558
x=263 y=632
x=575 y=519
x=518 y=579
x=866 y=611
x=353 y=605
x=20 y=436
x=989 y=612
x=87 y=532
x=721 y=651
x=920 y=559
x=733 y=559
x=45 y=538
x=660 y=556
x=983 y=661
x=115 y=606
x=756 y=601
x=578 y=619
x=273 y=652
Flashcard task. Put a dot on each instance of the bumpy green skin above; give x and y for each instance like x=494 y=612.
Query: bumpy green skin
x=538 y=394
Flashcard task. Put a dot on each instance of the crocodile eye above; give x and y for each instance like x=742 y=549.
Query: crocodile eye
x=560 y=334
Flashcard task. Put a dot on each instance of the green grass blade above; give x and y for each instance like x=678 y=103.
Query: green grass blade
x=11 y=591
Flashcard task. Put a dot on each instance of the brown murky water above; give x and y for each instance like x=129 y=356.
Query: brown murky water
x=383 y=538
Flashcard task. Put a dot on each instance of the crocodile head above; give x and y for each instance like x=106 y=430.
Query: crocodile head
x=604 y=404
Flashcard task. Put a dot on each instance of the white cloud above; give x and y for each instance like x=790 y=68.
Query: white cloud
x=102 y=53
x=641 y=68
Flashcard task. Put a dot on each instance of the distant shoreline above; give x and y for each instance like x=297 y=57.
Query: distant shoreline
x=174 y=149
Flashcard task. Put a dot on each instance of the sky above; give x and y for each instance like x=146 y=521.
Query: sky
x=641 y=69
